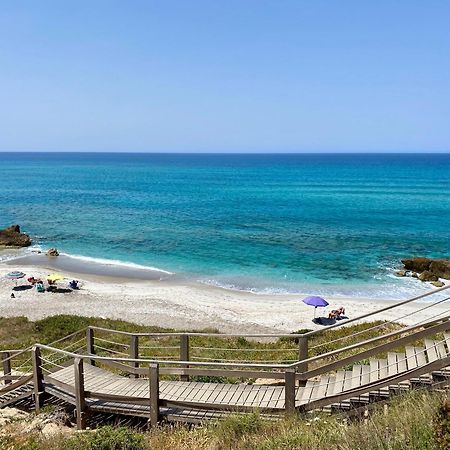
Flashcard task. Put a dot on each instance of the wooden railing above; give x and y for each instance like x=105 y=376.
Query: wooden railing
x=182 y=364
x=154 y=369
x=301 y=363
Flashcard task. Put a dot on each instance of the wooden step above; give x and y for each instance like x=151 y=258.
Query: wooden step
x=421 y=360
x=378 y=370
x=442 y=353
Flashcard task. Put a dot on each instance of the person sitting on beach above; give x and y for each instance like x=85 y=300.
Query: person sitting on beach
x=337 y=313
x=32 y=280
x=332 y=314
x=73 y=284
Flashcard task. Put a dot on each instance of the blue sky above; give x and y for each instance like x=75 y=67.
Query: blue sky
x=237 y=76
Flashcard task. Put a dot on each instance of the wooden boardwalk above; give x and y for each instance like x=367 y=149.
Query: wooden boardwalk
x=110 y=392
x=130 y=384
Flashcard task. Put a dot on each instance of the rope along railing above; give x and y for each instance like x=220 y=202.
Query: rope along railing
x=289 y=374
x=381 y=325
x=131 y=356
x=191 y=354
x=379 y=311
x=428 y=329
x=188 y=350
x=397 y=362
x=374 y=340
x=21 y=370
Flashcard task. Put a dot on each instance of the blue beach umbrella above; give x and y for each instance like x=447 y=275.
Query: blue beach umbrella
x=317 y=302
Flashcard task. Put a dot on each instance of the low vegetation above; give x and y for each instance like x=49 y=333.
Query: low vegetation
x=415 y=421
x=19 y=332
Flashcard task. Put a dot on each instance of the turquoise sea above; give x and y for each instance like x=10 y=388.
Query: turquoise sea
x=333 y=224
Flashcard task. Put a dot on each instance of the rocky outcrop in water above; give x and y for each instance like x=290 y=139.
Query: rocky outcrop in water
x=417 y=264
x=13 y=237
x=52 y=252
x=427 y=275
x=427 y=269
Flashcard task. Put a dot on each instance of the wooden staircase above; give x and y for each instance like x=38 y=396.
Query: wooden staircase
x=347 y=377
x=376 y=370
x=16 y=395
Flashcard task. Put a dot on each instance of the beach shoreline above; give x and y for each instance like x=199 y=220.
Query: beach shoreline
x=171 y=301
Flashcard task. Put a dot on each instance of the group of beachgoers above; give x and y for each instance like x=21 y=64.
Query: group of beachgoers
x=38 y=284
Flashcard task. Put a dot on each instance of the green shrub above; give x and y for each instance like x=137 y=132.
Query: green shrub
x=235 y=427
x=107 y=438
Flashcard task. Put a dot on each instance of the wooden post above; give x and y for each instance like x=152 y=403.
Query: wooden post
x=38 y=378
x=6 y=362
x=134 y=352
x=302 y=355
x=184 y=354
x=289 y=390
x=80 y=399
x=90 y=344
x=154 y=393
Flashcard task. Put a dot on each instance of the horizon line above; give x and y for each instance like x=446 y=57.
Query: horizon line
x=421 y=152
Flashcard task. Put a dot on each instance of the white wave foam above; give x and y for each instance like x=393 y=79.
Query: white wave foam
x=115 y=262
x=396 y=289
x=15 y=253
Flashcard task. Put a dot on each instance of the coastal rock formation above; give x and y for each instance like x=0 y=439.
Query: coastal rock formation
x=52 y=252
x=427 y=275
x=427 y=269
x=417 y=264
x=12 y=237
x=441 y=268
x=401 y=273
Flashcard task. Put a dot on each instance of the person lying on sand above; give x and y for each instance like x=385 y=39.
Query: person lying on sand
x=337 y=313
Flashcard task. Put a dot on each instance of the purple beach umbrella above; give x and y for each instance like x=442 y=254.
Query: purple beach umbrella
x=317 y=302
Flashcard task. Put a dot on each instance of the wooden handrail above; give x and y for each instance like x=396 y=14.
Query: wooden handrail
x=279 y=335
x=10 y=387
x=375 y=385
x=368 y=341
x=15 y=352
x=160 y=361
x=376 y=350
x=428 y=330
x=182 y=333
x=373 y=313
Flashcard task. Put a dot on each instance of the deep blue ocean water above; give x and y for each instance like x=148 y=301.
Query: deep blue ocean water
x=269 y=223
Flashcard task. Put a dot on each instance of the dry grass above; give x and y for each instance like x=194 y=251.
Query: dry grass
x=411 y=422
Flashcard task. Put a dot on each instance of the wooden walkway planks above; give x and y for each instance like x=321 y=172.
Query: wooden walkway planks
x=201 y=399
x=98 y=380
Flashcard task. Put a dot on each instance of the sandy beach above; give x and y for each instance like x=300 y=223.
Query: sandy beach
x=170 y=302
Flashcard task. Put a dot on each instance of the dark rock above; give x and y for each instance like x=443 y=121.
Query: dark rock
x=52 y=252
x=417 y=264
x=13 y=229
x=428 y=276
x=437 y=283
x=441 y=268
x=400 y=273
x=415 y=275
x=12 y=237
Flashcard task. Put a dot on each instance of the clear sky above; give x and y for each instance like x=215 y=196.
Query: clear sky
x=225 y=75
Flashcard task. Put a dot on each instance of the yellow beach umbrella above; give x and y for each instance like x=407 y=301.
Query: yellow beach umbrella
x=55 y=277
